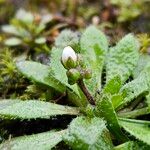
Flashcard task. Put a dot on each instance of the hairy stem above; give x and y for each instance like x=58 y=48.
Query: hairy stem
x=86 y=92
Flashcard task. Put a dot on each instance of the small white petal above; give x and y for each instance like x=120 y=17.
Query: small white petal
x=68 y=52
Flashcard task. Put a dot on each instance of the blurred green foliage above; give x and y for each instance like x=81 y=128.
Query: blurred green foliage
x=128 y=9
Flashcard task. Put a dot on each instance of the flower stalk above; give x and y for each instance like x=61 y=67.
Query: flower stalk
x=85 y=91
x=76 y=71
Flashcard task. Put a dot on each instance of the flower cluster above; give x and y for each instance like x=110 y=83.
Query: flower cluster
x=75 y=67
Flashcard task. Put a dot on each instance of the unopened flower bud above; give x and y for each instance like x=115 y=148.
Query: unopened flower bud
x=69 y=58
x=81 y=61
x=73 y=76
x=87 y=74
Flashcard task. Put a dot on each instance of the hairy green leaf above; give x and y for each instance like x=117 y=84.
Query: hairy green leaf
x=138 y=128
x=113 y=86
x=76 y=99
x=127 y=146
x=132 y=146
x=17 y=109
x=56 y=67
x=67 y=38
x=41 y=141
x=87 y=134
x=122 y=58
x=148 y=100
x=40 y=74
x=116 y=99
x=143 y=61
x=105 y=109
x=138 y=86
x=135 y=113
x=94 y=46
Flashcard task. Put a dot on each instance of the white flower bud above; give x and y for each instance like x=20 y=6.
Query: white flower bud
x=69 y=58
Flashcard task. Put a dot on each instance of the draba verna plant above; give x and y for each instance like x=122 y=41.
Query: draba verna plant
x=25 y=30
x=106 y=88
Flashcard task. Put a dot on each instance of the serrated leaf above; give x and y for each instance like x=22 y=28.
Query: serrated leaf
x=75 y=98
x=113 y=85
x=12 y=41
x=56 y=67
x=135 y=113
x=17 y=109
x=112 y=88
x=87 y=134
x=40 y=74
x=133 y=89
x=94 y=46
x=127 y=146
x=116 y=100
x=138 y=128
x=144 y=59
x=105 y=109
x=148 y=100
x=131 y=145
x=67 y=38
x=122 y=58
x=41 y=141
